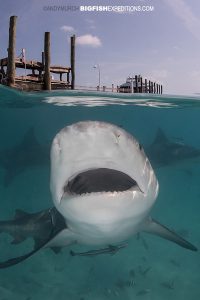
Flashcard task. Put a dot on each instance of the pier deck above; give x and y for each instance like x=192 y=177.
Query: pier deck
x=38 y=75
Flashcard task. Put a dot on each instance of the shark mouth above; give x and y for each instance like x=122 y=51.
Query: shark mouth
x=99 y=180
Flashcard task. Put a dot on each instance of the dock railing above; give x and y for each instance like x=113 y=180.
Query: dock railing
x=97 y=88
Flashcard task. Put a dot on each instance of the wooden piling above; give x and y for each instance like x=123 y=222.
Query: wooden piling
x=145 y=84
x=72 y=62
x=43 y=58
x=136 y=83
x=11 y=51
x=47 y=59
x=41 y=70
x=161 y=89
x=141 y=85
x=154 y=87
x=149 y=86
x=68 y=78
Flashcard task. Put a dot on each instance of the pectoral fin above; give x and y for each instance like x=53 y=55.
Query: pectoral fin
x=156 y=228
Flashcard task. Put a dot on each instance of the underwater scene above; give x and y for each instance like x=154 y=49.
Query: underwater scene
x=143 y=266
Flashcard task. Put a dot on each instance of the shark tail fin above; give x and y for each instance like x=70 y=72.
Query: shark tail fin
x=156 y=228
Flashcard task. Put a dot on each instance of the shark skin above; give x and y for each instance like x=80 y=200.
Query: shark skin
x=165 y=152
x=103 y=188
x=29 y=153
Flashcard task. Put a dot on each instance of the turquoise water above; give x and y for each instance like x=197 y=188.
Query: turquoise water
x=150 y=267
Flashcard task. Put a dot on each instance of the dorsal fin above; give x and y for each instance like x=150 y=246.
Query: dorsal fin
x=160 y=137
x=29 y=139
x=20 y=214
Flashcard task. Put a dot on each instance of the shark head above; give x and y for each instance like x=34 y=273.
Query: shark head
x=101 y=181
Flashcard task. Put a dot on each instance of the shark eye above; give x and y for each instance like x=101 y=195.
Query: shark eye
x=140 y=147
x=100 y=180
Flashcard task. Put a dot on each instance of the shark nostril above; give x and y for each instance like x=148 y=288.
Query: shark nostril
x=99 y=180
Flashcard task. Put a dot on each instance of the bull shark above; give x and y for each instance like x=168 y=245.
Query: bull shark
x=103 y=189
x=165 y=152
x=28 y=153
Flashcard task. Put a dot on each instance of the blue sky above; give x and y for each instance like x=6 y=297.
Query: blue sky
x=163 y=45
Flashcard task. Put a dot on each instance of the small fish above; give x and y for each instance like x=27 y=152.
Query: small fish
x=168 y=284
x=109 y=250
x=130 y=283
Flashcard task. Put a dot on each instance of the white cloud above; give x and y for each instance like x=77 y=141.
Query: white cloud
x=88 y=40
x=184 y=12
x=66 y=28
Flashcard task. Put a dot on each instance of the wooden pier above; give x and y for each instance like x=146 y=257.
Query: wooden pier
x=41 y=72
x=136 y=84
